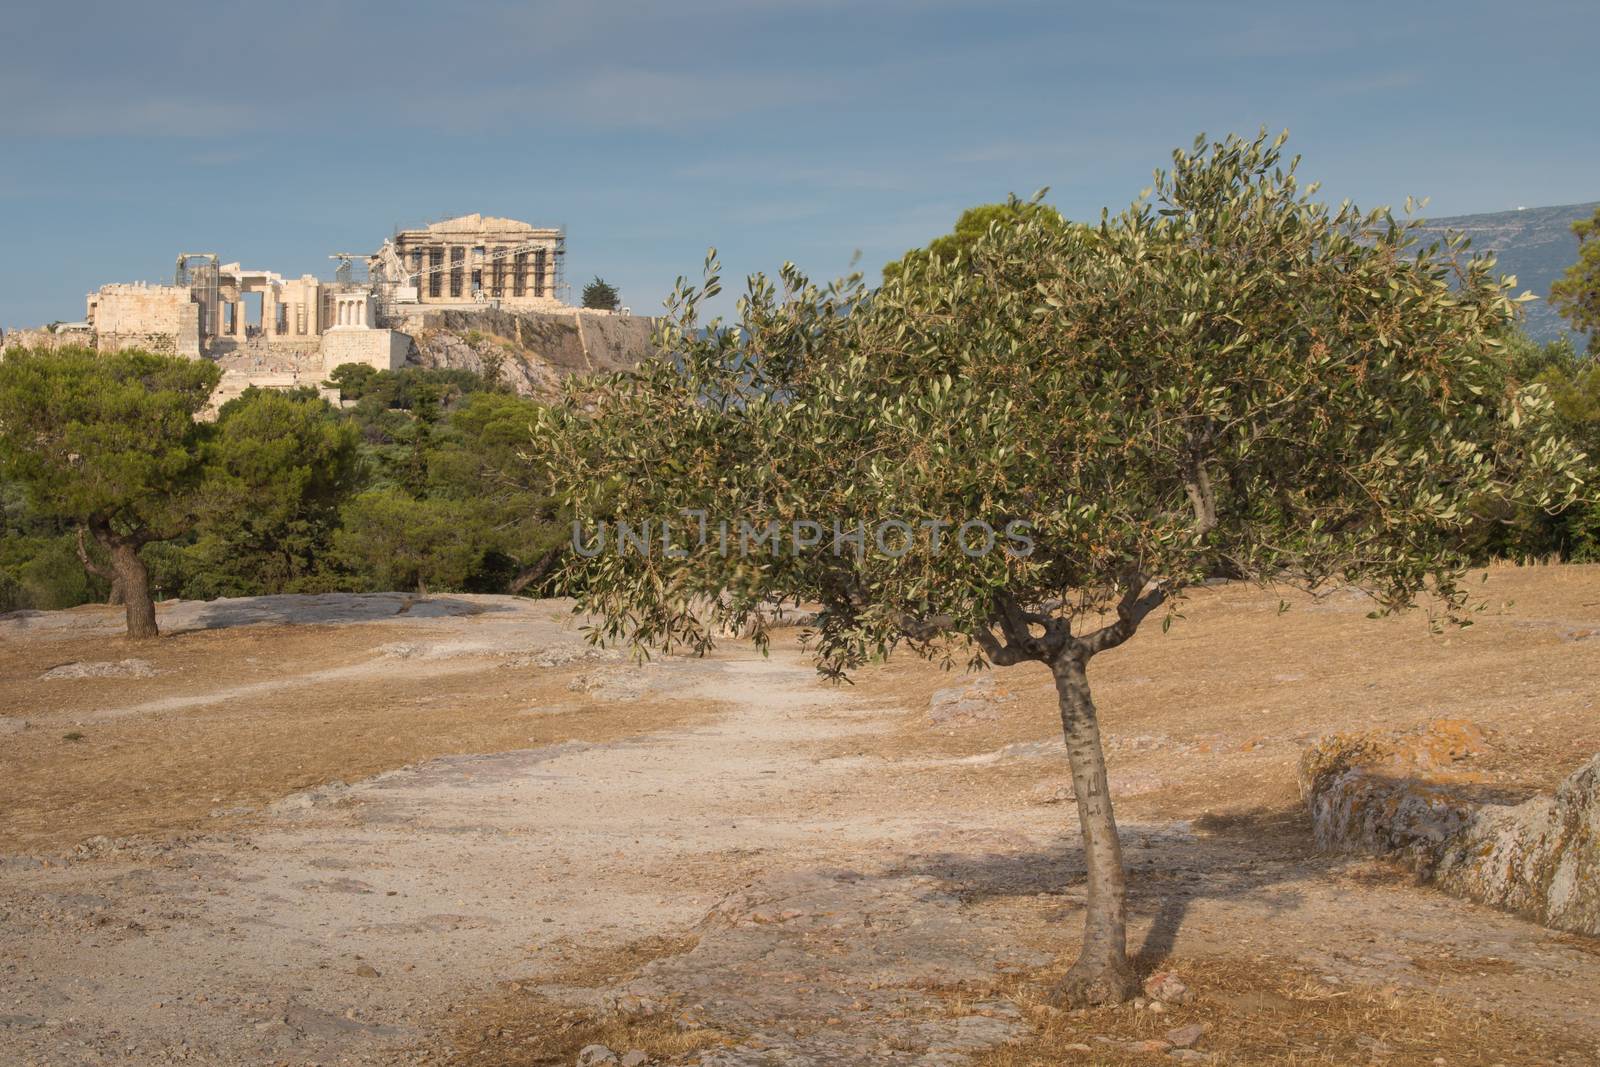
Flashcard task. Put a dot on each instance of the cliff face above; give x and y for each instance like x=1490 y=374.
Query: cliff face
x=534 y=350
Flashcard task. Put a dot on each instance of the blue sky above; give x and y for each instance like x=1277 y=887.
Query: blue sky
x=275 y=134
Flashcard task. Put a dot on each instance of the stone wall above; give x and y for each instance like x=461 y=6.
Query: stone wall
x=156 y=318
x=46 y=340
x=1414 y=797
x=265 y=355
x=383 y=349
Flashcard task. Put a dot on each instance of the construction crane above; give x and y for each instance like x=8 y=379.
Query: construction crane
x=344 y=274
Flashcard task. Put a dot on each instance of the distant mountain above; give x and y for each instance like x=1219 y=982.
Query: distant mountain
x=1536 y=244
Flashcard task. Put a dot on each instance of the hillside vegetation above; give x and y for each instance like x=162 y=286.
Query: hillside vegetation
x=1537 y=245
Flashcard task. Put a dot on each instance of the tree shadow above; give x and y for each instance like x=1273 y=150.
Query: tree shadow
x=1245 y=857
x=326 y=609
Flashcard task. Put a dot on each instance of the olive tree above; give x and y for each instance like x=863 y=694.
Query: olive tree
x=1228 y=379
x=109 y=443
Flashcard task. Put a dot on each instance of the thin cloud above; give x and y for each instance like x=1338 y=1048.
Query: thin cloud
x=1389 y=81
x=123 y=115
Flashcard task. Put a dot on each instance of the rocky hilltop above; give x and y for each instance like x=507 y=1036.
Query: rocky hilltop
x=533 y=350
x=1536 y=244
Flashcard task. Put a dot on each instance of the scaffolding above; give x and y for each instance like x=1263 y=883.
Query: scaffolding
x=446 y=271
x=203 y=282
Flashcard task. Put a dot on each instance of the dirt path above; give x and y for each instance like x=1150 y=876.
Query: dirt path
x=442 y=878
x=819 y=889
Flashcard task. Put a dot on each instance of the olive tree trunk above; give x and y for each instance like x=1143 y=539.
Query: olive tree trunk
x=1102 y=973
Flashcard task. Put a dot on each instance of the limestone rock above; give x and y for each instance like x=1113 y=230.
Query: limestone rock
x=1406 y=796
x=1148 y=1045
x=1186 y=1036
x=532 y=350
x=1167 y=987
x=126 y=668
x=617 y=683
x=332 y=795
x=974 y=700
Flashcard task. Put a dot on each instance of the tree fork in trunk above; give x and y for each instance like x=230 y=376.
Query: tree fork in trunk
x=133 y=577
x=1102 y=973
x=114 y=598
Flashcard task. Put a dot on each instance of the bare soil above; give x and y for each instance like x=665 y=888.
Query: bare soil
x=383 y=830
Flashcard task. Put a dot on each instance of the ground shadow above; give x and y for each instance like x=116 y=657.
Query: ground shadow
x=322 y=609
x=1249 y=857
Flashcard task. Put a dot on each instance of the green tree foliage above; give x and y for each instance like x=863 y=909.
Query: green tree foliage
x=398 y=414
x=397 y=541
x=352 y=379
x=1576 y=294
x=252 y=502
x=484 y=461
x=109 y=444
x=277 y=469
x=451 y=441
x=39 y=564
x=974 y=226
x=1513 y=531
x=1229 y=378
x=602 y=295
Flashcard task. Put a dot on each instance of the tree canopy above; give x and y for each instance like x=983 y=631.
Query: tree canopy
x=429 y=461
x=1229 y=378
x=277 y=468
x=973 y=226
x=108 y=443
x=602 y=295
x=1576 y=294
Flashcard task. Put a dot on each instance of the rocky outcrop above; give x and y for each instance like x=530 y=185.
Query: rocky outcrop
x=1414 y=796
x=974 y=700
x=531 y=350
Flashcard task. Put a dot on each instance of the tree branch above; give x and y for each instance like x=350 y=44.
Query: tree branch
x=1015 y=623
x=89 y=564
x=1197 y=484
x=918 y=628
x=1201 y=498
x=1005 y=655
x=532 y=574
x=1135 y=604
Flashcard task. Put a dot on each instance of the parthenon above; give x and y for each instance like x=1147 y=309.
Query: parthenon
x=473 y=259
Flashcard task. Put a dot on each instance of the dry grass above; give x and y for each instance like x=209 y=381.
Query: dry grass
x=1234 y=689
x=591 y=966
x=533 y=1031
x=1265 y=1011
x=1470 y=966
x=165 y=772
x=523 y=1027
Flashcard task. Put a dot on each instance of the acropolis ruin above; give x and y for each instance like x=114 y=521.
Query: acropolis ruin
x=271 y=330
